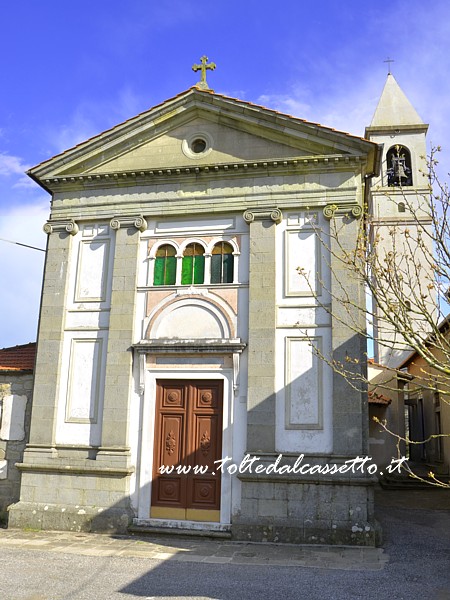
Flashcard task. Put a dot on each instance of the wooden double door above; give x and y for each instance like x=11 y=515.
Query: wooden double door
x=188 y=439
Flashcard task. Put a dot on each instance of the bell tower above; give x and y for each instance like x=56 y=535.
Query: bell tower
x=399 y=219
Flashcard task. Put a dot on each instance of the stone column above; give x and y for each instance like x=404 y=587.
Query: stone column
x=262 y=327
x=118 y=379
x=51 y=333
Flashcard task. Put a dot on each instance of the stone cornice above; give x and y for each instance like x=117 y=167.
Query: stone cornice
x=399 y=129
x=233 y=169
x=136 y=221
x=214 y=202
x=194 y=346
x=75 y=470
x=67 y=226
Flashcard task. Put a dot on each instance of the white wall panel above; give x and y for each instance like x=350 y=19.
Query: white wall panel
x=304 y=405
x=92 y=271
x=303 y=384
x=302 y=250
x=84 y=381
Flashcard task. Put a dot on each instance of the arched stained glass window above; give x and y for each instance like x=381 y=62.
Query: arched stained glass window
x=165 y=265
x=193 y=268
x=222 y=263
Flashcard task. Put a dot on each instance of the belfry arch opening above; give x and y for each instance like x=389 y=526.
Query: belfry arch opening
x=398 y=166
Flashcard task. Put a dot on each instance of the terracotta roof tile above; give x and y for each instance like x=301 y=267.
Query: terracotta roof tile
x=18 y=358
x=380 y=399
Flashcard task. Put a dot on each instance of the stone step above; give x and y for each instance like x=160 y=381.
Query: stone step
x=146 y=530
x=406 y=482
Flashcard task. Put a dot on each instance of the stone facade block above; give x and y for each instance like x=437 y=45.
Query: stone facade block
x=334 y=512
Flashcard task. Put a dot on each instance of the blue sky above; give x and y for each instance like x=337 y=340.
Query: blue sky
x=71 y=70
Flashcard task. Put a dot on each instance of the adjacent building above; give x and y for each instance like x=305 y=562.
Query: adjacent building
x=16 y=386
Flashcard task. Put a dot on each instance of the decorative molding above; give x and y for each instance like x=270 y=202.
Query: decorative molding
x=203 y=346
x=205 y=443
x=66 y=469
x=259 y=214
x=68 y=226
x=126 y=178
x=171 y=443
x=330 y=210
x=137 y=221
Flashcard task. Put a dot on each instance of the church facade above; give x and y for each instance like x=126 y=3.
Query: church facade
x=186 y=304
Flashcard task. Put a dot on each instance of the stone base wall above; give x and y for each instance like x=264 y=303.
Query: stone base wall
x=72 y=502
x=30 y=515
x=301 y=512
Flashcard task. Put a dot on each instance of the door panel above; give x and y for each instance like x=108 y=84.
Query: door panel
x=188 y=433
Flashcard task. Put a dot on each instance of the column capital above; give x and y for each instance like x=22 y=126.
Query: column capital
x=252 y=214
x=68 y=226
x=330 y=210
x=137 y=221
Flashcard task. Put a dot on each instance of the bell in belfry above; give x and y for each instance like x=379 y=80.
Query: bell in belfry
x=399 y=168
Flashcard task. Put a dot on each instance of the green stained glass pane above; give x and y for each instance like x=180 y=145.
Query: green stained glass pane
x=227 y=270
x=216 y=268
x=165 y=266
x=199 y=269
x=171 y=270
x=186 y=270
x=158 y=278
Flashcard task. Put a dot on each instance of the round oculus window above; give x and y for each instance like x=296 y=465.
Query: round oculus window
x=197 y=145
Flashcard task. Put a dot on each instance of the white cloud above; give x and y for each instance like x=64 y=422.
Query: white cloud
x=346 y=110
x=21 y=272
x=11 y=165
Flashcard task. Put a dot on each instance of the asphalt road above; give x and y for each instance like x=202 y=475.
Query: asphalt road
x=417 y=542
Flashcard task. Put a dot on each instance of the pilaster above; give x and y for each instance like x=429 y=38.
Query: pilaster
x=262 y=328
x=51 y=332
x=350 y=425
x=118 y=379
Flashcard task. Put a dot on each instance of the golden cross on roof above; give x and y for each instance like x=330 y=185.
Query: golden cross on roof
x=202 y=83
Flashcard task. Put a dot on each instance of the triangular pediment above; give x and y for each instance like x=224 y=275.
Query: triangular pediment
x=223 y=144
x=232 y=131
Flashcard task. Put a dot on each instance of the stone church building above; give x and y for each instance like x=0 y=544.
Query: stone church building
x=176 y=329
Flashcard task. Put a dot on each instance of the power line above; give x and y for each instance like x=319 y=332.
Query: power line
x=24 y=245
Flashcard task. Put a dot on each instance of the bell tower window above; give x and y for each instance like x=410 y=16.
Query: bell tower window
x=398 y=162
